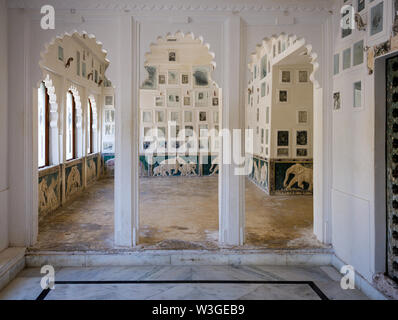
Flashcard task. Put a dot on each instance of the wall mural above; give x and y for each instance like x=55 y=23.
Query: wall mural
x=259 y=174
x=109 y=164
x=292 y=177
x=49 y=192
x=73 y=179
x=91 y=170
x=180 y=165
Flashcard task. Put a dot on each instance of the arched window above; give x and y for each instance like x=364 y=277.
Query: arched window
x=70 y=126
x=43 y=126
x=90 y=130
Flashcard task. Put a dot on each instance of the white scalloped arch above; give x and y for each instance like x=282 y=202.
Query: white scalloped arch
x=84 y=35
x=266 y=43
x=179 y=35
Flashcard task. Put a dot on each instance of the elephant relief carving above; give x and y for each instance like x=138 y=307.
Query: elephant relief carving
x=91 y=170
x=47 y=196
x=215 y=166
x=73 y=182
x=260 y=173
x=171 y=167
x=300 y=174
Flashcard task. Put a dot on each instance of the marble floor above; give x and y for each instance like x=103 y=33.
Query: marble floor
x=184 y=283
x=177 y=213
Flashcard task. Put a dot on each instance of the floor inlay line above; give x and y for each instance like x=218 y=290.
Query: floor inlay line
x=311 y=284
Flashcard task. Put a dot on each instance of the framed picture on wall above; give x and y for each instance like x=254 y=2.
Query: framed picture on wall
x=172 y=56
x=201 y=99
x=336 y=64
x=215 y=101
x=172 y=77
x=147 y=116
x=159 y=101
x=302 y=76
x=360 y=5
x=109 y=100
x=285 y=77
x=283 y=96
x=162 y=78
x=300 y=152
x=357 y=94
x=201 y=76
x=283 y=138
x=185 y=78
x=60 y=53
x=376 y=18
x=302 y=117
x=347 y=59
x=187 y=101
x=173 y=98
x=358 y=52
x=188 y=117
x=283 y=152
x=336 y=101
x=301 y=137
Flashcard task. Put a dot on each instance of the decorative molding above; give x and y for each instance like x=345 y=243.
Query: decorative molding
x=234 y=6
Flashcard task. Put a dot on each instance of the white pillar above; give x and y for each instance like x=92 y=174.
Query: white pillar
x=126 y=139
x=232 y=186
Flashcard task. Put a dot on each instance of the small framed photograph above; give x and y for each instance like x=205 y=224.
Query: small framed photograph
x=216 y=116
x=303 y=76
x=347 y=59
x=336 y=64
x=159 y=101
x=215 y=101
x=173 y=98
x=283 y=96
x=285 y=77
x=172 y=56
x=173 y=77
x=162 y=78
x=302 y=117
x=357 y=94
x=376 y=19
x=283 y=152
x=302 y=138
x=188 y=116
x=187 y=101
x=160 y=116
x=358 y=53
x=336 y=101
x=60 y=53
x=301 y=152
x=147 y=117
x=109 y=100
x=283 y=138
x=185 y=78
x=202 y=116
x=201 y=99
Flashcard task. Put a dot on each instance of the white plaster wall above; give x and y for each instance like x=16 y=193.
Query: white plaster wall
x=3 y=127
x=353 y=197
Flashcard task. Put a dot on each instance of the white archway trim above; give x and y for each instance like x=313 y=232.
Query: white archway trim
x=95 y=122
x=83 y=36
x=180 y=36
x=266 y=47
x=54 y=155
x=320 y=185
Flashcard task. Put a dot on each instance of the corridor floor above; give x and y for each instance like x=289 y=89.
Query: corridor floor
x=114 y=283
x=177 y=213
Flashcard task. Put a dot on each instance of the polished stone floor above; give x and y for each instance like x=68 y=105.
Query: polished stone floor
x=177 y=213
x=113 y=283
